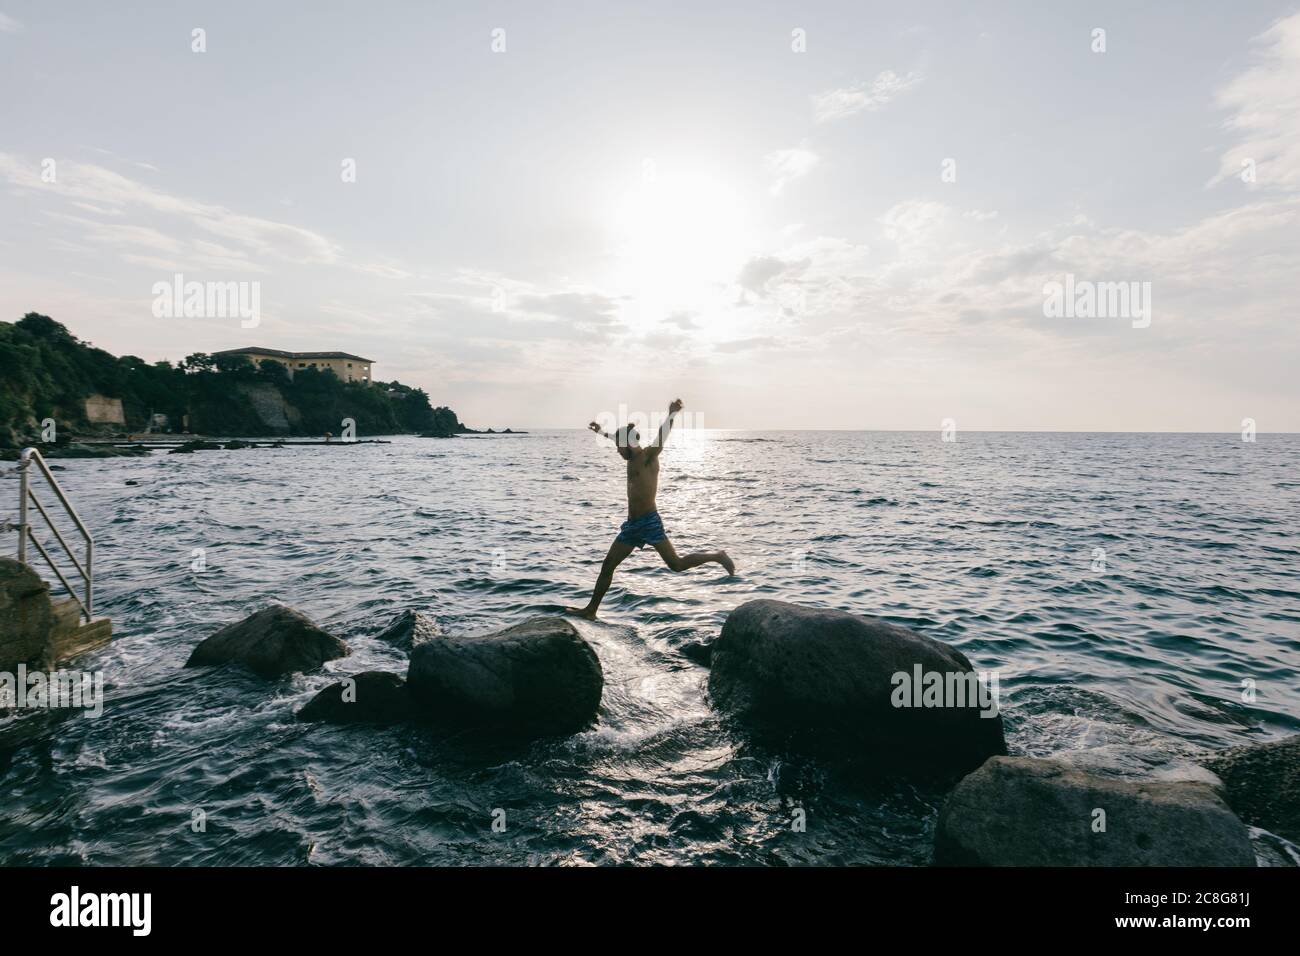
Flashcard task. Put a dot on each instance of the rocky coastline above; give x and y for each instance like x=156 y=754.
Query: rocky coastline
x=817 y=681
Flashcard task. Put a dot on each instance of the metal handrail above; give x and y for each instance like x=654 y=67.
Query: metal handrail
x=29 y=457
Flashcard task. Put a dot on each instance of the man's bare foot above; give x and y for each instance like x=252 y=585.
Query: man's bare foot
x=589 y=614
x=724 y=559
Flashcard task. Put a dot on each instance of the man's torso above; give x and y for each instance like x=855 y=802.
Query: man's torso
x=642 y=483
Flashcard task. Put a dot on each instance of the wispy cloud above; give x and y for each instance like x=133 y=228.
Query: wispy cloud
x=8 y=24
x=849 y=100
x=747 y=344
x=93 y=188
x=787 y=165
x=1265 y=112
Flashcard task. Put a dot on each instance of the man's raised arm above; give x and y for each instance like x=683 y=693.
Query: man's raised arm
x=666 y=427
x=594 y=426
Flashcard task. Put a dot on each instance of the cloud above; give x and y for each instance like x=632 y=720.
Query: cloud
x=847 y=101
x=816 y=276
x=746 y=345
x=579 y=308
x=500 y=309
x=683 y=320
x=757 y=273
x=382 y=270
x=9 y=24
x=1265 y=111
x=787 y=165
x=946 y=285
x=94 y=186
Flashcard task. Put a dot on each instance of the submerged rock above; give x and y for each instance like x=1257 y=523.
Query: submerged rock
x=536 y=678
x=698 y=652
x=1025 y=811
x=1262 y=783
x=371 y=697
x=190 y=447
x=274 y=642
x=410 y=629
x=829 y=678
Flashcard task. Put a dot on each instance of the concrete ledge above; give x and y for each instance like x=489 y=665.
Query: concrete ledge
x=38 y=630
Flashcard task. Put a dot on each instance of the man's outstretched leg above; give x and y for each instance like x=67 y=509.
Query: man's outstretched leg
x=678 y=563
x=617 y=552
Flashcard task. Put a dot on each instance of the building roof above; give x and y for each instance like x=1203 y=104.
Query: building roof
x=278 y=353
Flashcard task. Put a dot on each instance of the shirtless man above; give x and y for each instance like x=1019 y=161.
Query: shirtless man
x=643 y=525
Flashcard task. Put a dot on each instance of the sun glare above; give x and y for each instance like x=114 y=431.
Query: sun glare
x=680 y=239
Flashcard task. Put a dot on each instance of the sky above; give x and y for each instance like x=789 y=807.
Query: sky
x=812 y=215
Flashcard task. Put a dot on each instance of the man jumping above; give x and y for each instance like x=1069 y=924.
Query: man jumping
x=643 y=525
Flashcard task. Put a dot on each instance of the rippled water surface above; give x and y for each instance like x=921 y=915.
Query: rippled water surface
x=987 y=543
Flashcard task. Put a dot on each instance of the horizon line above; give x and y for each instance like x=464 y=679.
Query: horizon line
x=986 y=429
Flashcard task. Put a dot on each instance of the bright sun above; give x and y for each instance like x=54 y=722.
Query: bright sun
x=681 y=237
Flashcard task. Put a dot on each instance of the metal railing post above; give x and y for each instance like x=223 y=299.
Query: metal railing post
x=24 y=466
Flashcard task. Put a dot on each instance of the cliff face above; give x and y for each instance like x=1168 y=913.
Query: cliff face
x=102 y=410
x=46 y=372
x=276 y=415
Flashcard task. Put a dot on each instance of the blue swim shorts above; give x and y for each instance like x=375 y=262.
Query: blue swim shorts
x=639 y=532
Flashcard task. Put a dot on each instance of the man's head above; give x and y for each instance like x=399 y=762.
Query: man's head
x=627 y=439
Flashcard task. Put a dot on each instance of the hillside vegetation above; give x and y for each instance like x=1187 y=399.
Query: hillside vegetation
x=48 y=373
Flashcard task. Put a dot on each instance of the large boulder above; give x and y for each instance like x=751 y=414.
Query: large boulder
x=371 y=697
x=1026 y=811
x=25 y=615
x=539 y=677
x=830 y=678
x=272 y=643
x=1262 y=783
x=409 y=629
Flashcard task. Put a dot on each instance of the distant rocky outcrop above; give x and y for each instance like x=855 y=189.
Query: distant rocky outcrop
x=190 y=447
x=79 y=450
x=536 y=678
x=56 y=375
x=830 y=678
x=274 y=642
x=1262 y=783
x=1025 y=811
x=371 y=697
x=409 y=629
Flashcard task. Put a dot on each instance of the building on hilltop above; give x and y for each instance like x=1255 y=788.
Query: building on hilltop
x=348 y=367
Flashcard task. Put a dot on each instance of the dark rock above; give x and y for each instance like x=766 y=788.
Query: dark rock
x=829 y=679
x=1262 y=783
x=1024 y=811
x=78 y=450
x=539 y=677
x=371 y=697
x=26 y=617
x=410 y=629
x=275 y=641
x=701 y=652
x=190 y=447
